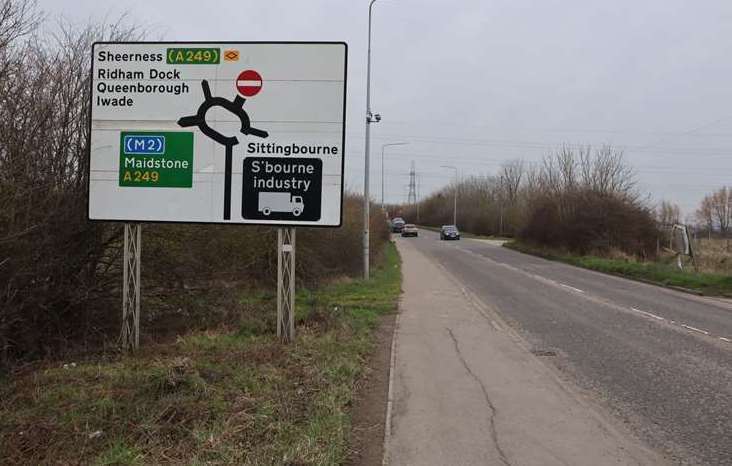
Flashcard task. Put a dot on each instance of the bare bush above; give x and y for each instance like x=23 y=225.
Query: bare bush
x=53 y=260
x=668 y=213
x=714 y=215
x=576 y=198
x=588 y=202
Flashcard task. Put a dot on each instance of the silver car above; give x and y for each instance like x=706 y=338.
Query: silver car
x=410 y=230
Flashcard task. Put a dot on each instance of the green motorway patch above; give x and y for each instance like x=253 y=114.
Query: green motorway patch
x=659 y=273
x=231 y=395
x=159 y=159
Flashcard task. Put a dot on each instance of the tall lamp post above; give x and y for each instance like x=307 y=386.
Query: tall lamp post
x=370 y=118
x=454 y=206
x=384 y=146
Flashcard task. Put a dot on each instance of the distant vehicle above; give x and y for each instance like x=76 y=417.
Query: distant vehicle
x=397 y=223
x=410 y=230
x=448 y=232
x=280 y=202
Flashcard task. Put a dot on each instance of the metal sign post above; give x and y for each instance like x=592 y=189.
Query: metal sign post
x=130 y=337
x=286 y=284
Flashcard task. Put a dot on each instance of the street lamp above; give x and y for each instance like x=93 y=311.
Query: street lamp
x=370 y=118
x=454 y=207
x=500 y=207
x=382 y=167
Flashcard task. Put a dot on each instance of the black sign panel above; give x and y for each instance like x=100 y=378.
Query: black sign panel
x=282 y=188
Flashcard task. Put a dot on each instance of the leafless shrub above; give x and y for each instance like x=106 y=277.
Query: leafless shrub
x=53 y=260
x=578 y=198
x=668 y=213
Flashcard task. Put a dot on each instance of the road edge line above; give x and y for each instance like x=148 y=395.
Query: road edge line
x=390 y=393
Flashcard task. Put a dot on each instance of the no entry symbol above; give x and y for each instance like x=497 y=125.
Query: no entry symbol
x=249 y=83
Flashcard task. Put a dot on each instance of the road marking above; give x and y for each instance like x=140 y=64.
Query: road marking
x=390 y=393
x=649 y=314
x=570 y=287
x=695 y=329
x=589 y=296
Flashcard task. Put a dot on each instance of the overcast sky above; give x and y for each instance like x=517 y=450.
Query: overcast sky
x=472 y=83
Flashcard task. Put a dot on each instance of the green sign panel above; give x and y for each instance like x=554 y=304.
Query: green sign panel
x=194 y=56
x=156 y=159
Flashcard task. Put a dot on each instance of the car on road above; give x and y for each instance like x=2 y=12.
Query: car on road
x=448 y=232
x=397 y=223
x=410 y=230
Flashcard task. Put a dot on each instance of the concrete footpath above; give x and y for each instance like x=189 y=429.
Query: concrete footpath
x=467 y=391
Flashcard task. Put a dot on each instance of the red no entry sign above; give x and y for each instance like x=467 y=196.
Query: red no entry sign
x=249 y=83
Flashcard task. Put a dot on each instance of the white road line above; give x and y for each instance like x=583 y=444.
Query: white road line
x=695 y=329
x=649 y=314
x=571 y=287
x=589 y=296
x=390 y=394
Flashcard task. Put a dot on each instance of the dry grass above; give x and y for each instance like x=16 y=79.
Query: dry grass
x=662 y=271
x=714 y=255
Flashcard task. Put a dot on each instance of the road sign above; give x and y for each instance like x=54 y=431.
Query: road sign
x=235 y=132
x=231 y=55
x=249 y=83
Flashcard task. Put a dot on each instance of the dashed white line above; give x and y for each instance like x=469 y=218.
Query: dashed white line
x=571 y=288
x=589 y=296
x=695 y=329
x=649 y=314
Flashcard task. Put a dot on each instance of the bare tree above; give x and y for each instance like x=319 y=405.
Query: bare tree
x=668 y=213
x=705 y=214
x=605 y=171
x=510 y=175
x=720 y=204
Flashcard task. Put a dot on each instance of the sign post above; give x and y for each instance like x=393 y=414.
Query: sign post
x=130 y=336
x=248 y=133
x=286 y=284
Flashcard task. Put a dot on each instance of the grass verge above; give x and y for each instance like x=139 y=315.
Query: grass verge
x=228 y=396
x=653 y=272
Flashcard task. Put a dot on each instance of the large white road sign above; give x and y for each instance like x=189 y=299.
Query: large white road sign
x=216 y=132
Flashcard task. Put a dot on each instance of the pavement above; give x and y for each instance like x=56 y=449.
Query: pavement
x=467 y=388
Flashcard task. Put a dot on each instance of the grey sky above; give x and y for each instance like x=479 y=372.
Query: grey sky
x=475 y=82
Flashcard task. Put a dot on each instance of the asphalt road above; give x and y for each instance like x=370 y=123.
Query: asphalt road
x=657 y=359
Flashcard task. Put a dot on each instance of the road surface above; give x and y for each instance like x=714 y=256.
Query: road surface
x=656 y=363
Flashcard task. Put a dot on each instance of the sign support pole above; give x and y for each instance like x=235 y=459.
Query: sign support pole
x=130 y=337
x=286 y=284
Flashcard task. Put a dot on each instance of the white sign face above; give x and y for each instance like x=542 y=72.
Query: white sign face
x=235 y=132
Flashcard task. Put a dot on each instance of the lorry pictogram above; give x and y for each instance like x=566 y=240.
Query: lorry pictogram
x=280 y=202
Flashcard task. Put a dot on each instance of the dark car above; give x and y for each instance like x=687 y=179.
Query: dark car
x=410 y=230
x=449 y=232
x=397 y=223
